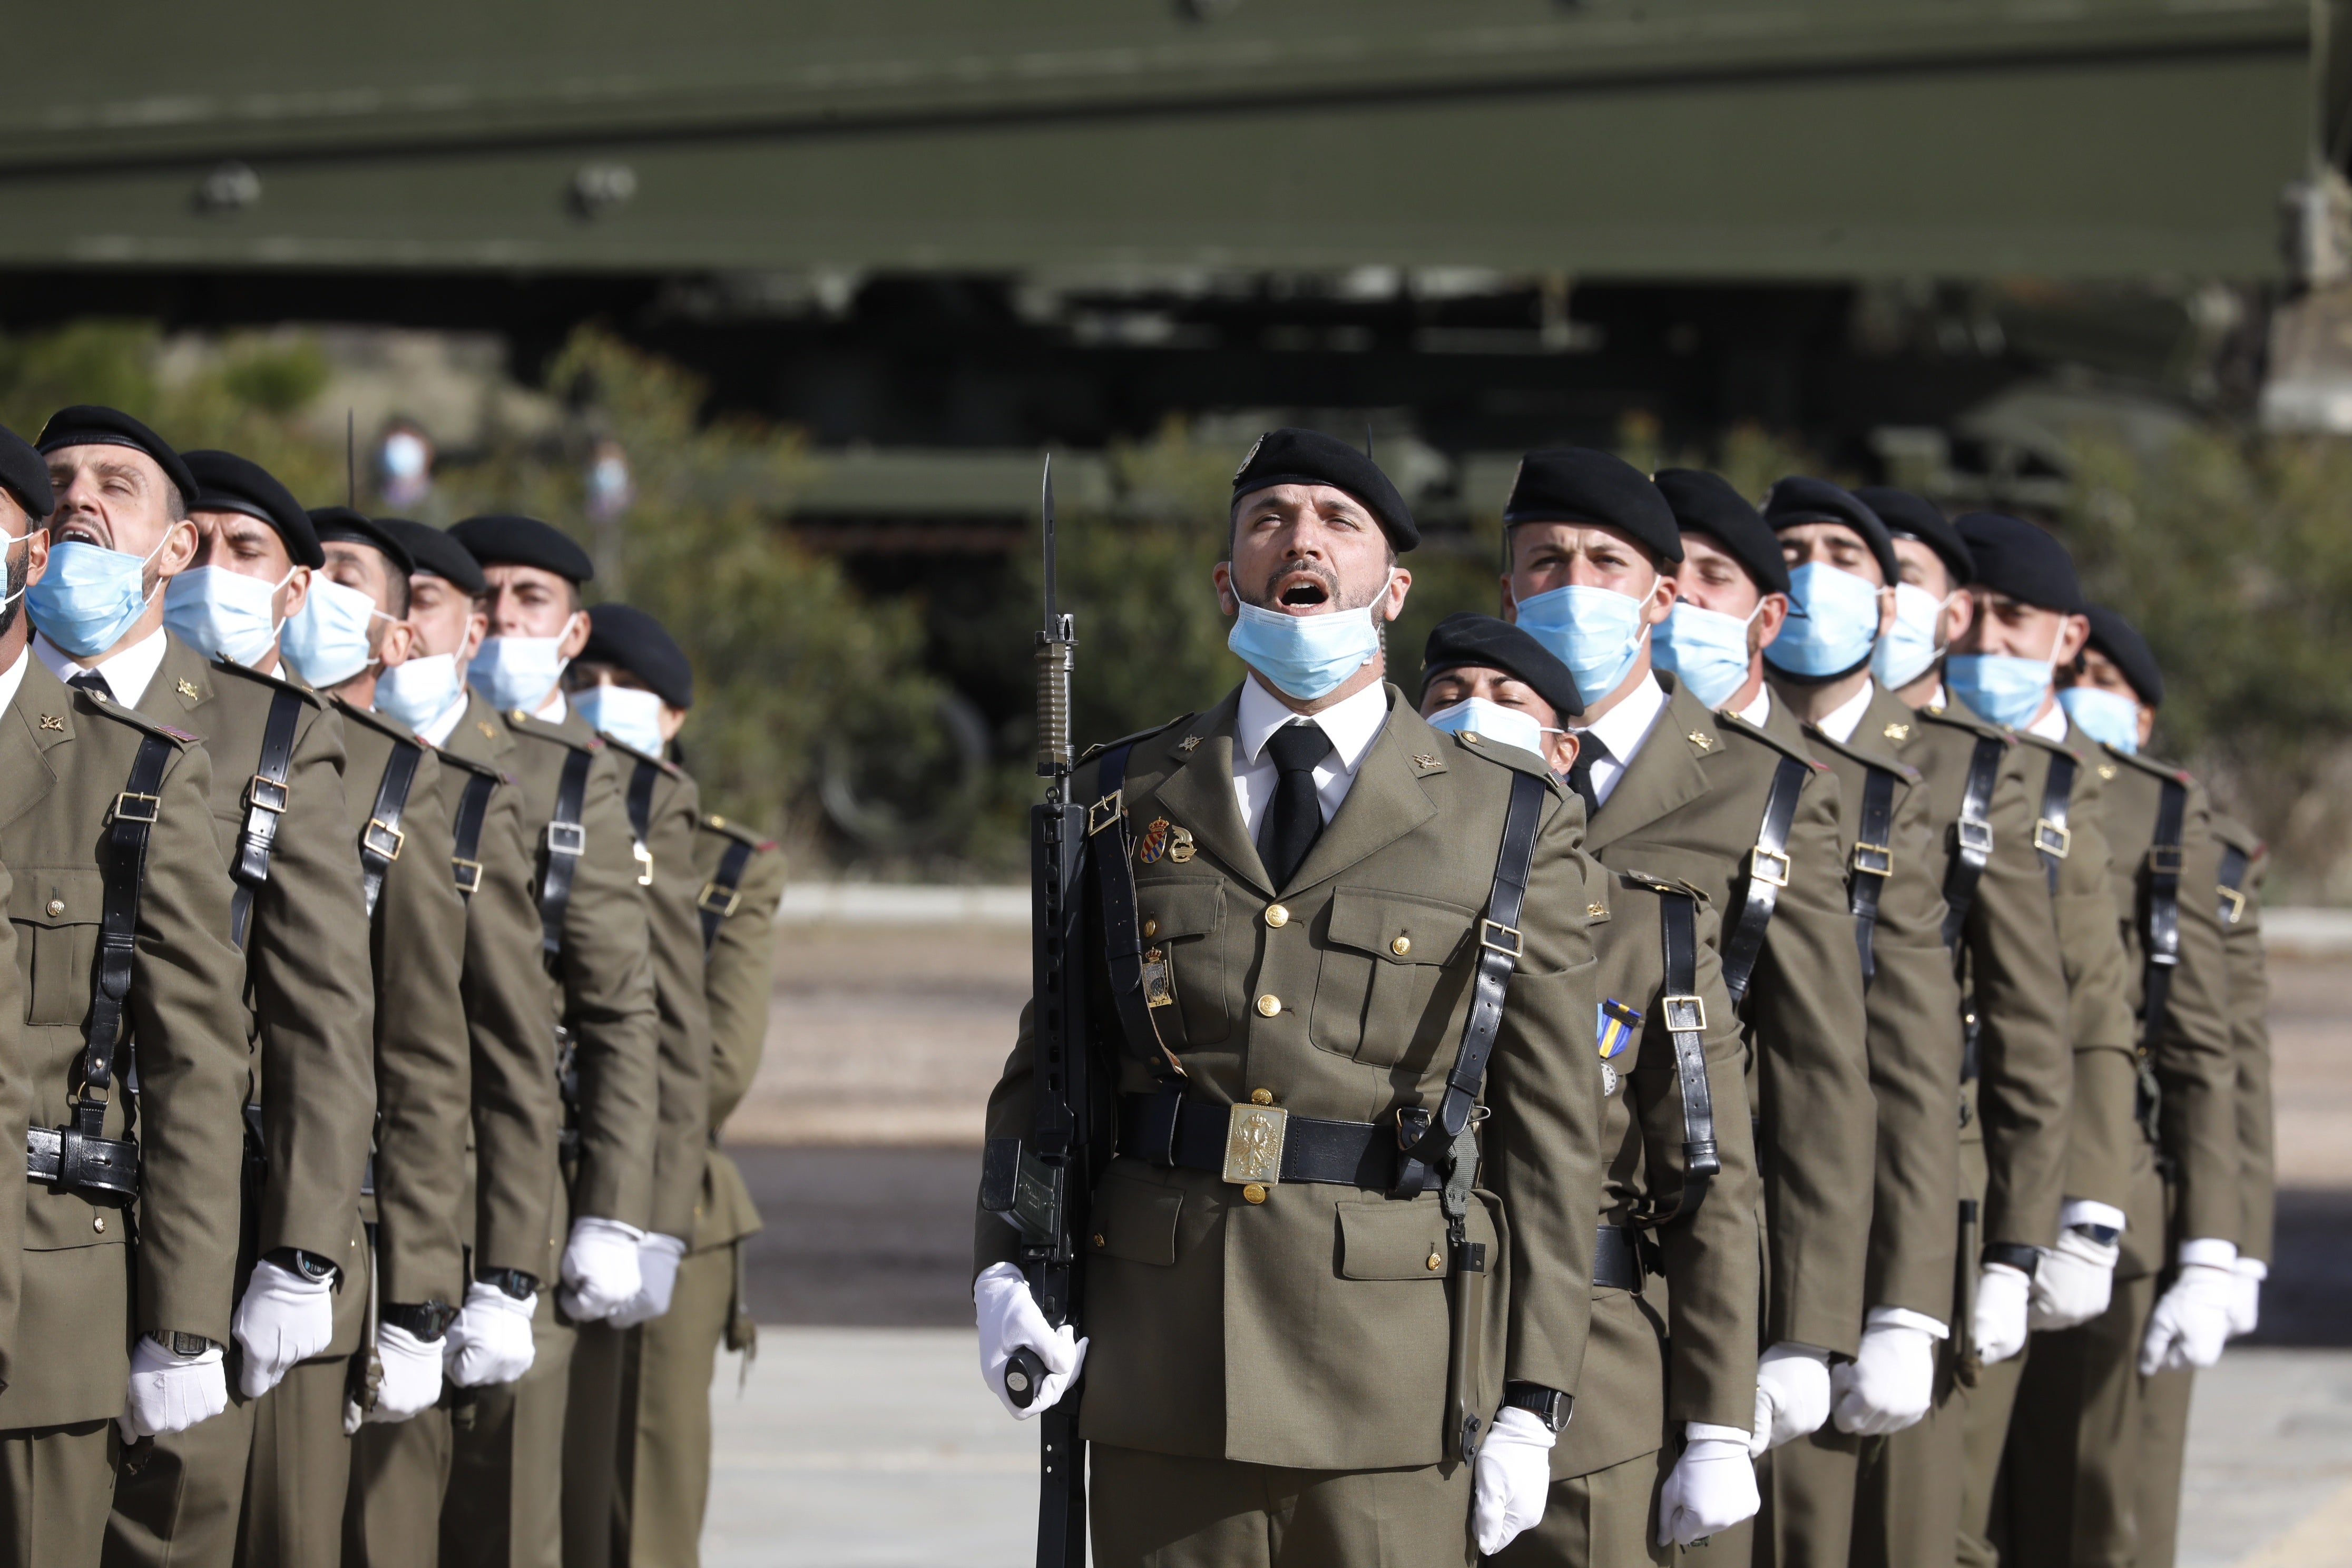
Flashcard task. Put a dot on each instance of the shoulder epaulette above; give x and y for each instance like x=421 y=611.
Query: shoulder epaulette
x=276 y=682
x=2061 y=747
x=378 y=722
x=713 y=823
x=664 y=763
x=1895 y=765
x=94 y=704
x=1662 y=884
x=2149 y=765
x=1968 y=723
x=449 y=759
x=538 y=729
x=1098 y=748
x=1734 y=724
x=1516 y=758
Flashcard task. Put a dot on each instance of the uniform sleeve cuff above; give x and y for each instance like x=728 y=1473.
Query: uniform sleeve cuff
x=2210 y=1252
x=2086 y=1210
x=1700 y=1432
x=1905 y=1317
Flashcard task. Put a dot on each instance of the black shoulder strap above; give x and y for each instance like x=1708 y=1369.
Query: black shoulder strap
x=265 y=802
x=380 y=841
x=1971 y=837
x=1874 y=862
x=2052 y=837
x=127 y=827
x=2231 y=884
x=1686 y=1016
x=1767 y=873
x=1139 y=980
x=2163 y=931
x=724 y=891
x=567 y=840
x=466 y=833
x=641 y=813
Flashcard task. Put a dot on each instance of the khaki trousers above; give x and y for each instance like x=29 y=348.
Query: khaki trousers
x=2163 y=1449
x=596 y=1460
x=56 y=1485
x=1907 y=1485
x=2069 y=1481
x=1159 y=1511
x=504 y=1506
x=1985 y=1435
x=299 y=1469
x=400 y=1472
x=1807 y=1487
x=179 y=1499
x=667 y=1481
x=1607 y=1519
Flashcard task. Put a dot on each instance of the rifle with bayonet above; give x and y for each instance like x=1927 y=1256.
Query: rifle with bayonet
x=1040 y=1187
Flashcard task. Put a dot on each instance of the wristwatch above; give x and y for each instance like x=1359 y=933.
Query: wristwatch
x=309 y=1265
x=2105 y=1235
x=2018 y=1255
x=179 y=1343
x=513 y=1281
x=427 y=1321
x=1548 y=1405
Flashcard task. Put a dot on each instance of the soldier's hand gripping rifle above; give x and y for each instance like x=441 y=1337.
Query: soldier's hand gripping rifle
x=1040 y=1188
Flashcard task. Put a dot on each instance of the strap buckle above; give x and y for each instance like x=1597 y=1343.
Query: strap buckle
x=1873 y=859
x=1684 y=1014
x=2234 y=904
x=132 y=806
x=645 y=858
x=567 y=839
x=378 y=835
x=715 y=900
x=468 y=873
x=1759 y=858
x=2050 y=839
x=2164 y=860
x=1103 y=813
x=1974 y=834
x=266 y=794
x=1519 y=943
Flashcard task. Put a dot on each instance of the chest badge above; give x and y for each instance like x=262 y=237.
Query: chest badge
x=1702 y=740
x=1615 y=1029
x=186 y=689
x=1609 y=1080
x=53 y=720
x=1180 y=845
x=1152 y=843
x=1188 y=744
x=1899 y=733
x=484 y=726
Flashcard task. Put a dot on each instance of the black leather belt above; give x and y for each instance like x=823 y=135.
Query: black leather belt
x=88 y=1165
x=1345 y=1153
x=1616 y=1264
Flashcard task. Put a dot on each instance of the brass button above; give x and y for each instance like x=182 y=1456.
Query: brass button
x=1401 y=946
x=1269 y=1004
x=56 y=908
x=98 y=1224
x=1434 y=1261
x=1276 y=915
x=1261 y=1097
x=1255 y=1193
x=1098 y=1240
x=1150 y=928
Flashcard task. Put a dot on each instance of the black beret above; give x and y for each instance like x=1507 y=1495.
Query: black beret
x=2121 y=642
x=624 y=635
x=2015 y=558
x=502 y=540
x=1468 y=639
x=431 y=549
x=1577 y=484
x=25 y=476
x=1705 y=503
x=1289 y=456
x=1921 y=519
x=87 y=425
x=227 y=482
x=340 y=522
x=1797 y=499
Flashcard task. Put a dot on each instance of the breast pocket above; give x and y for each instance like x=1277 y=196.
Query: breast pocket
x=57 y=916
x=1377 y=997
x=1184 y=919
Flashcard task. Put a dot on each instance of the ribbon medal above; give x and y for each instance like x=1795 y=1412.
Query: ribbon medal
x=1153 y=843
x=1615 y=1027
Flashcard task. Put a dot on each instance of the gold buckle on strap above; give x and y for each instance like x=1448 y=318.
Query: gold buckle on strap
x=1685 y=1014
x=132 y=806
x=468 y=873
x=1103 y=813
x=2052 y=839
x=380 y=833
x=718 y=900
x=1769 y=866
x=646 y=859
x=266 y=794
x=2164 y=860
x=2237 y=902
x=1488 y=929
x=1873 y=859
x=1254 y=1137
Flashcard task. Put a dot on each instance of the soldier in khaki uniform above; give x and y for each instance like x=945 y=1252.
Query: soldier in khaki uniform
x=1267 y=1362
x=76 y=781
x=1841 y=566
x=1674 y=1359
x=633 y=685
x=1731 y=801
x=505 y=1494
x=2018 y=1072
x=2078 y=1459
x=401 y=1471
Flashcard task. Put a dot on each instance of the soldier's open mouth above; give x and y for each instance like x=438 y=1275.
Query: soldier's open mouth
x=1305 y=593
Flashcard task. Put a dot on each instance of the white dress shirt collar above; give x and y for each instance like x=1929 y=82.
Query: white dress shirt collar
x=556 y=708
x=1623 y=729
x=436 y=730
x=1758 y=711
x=1839 y=723
x=128 y=673
x=2052 y=725
x=1352 y=725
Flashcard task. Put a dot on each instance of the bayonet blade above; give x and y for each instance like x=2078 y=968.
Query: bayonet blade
x=1053 y=623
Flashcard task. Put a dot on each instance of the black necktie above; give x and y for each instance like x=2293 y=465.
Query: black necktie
x=1589 y=750
x=89 y=681
x=1294 y=820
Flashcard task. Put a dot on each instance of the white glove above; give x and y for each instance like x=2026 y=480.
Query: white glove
x=1793 y=1396
x=1009 y=1320
x=599 y=1268
x=1712 y=1486
x=170 y=1391
x=2191 y=1321
x=1513 y=1478
x=2002 y=1293
x=2246 y=1295
x=2074 y=1282
x=657 y=1260
x=1891 y=1381
x=489 y=1341
x=412 y=1374
x=285 y=1317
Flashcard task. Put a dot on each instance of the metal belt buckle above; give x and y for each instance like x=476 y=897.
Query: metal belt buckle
x=1516 y=950
x=718 y=900
x=646 y=859
x=1759 y=858
x=2050 y=839
x=468 y=873
x=567 y=839
x=1253 y=1135
x=1685 y=1014
x=266 y=794
x=132 y=806
x=381 y=833
x=1975 y=834
x=1873 y=859
x=2236 y=902
x=2164 y=860
x=1103 y=813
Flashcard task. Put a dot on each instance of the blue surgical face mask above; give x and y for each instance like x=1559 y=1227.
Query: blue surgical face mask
x=1493 y=721
x=328 y=642
x=90 y=596
x=630 y=716
x=419 y=692
x=1999 y=687
x=223 y=614
x=517 y=672
x=1707 y=650
x=1596 y=632
x=1909 y=648
x=1833 y=620
x=2108 y=716
x=1306 y=657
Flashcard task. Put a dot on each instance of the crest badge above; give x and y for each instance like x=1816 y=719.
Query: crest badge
x=1153 y=843
x=1180 y=845
x=1248 y=458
